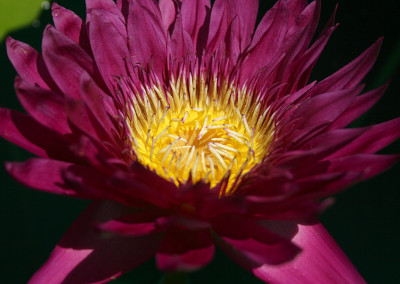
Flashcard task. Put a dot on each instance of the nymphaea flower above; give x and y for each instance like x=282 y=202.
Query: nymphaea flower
x=190 y=128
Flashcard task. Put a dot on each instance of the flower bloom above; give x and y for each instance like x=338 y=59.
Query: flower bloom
x=190 y=128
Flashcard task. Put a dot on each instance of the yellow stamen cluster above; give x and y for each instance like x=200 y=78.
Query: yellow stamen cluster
x=199 y=130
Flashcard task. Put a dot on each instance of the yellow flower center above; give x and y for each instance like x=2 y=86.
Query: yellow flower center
x=199 y=131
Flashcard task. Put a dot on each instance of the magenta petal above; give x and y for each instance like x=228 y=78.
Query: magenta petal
x=351 y=74
x=220 y=19
x=369 y=165
x=244 y=16
x=138 y=223
x=108 y=43
x=324 y=108
x=41 y=174
x=67 y=22
x=360 y=105
x=184 y=250
x=28 y=62
x=23 y=130
x=147 y=35
x=107 y=5
x=60 y=54
x=267 y=39
x=180 y=43
x=45 y=106
x=168 y=12
x=245 y=239
x=98 y=102
x=372 y=140
x=195 y=17
x=321 y=261
x=86 y=256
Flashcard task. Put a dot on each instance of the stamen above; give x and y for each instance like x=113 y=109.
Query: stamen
x=201 y=127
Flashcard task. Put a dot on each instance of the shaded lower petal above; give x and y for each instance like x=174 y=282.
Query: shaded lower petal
x=185 y=250
x=321 y=261
x=248 y=242
x=86 y=256
x=22 y=130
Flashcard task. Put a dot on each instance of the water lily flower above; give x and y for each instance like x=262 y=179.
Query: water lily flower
x=189 y=128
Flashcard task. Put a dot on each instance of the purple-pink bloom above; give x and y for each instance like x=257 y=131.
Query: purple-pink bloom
x=190 y=127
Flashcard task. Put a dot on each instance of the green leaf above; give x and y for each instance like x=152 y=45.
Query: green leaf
x=15 y=14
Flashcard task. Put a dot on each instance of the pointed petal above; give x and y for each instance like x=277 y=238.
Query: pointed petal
x=109 y=46
x=195 y=18
x=359 y=106
x=41 y=174
x=23 y=130
x=369 y=165
x=67 y=22
x=61 y=53
x=86 y=256
x=184 y=250
x=180 y=43
x=324 y=108
x=45 y=106
x=28 y=63
x=351 y=74
x=267 y=40
x=98 y=102
x=168 y=12
x=375 y=138
x=321 y=261
x=147 y=35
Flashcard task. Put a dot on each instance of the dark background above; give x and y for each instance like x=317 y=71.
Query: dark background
x=364 y=220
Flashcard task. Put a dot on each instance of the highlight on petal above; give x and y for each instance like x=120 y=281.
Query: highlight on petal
x=85 y=255
x=321 y=261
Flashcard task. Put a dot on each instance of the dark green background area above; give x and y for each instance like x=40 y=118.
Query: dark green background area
x=364 y=219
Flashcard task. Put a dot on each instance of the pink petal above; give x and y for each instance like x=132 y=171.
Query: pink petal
x=23 y=130
x=98 y=102
x=67 y=22
x=324 y=108
x=180 y=43
x=267 y=39
x=360 y=105
x=107 y=5
x=220 y=20
x=85 y=122
x=86 y=256
x=60 y=54
x=138 y=223
x=147 y=35
x=321 y=261
x=245 y=240
x=47 y=107
x=369 y=165
x=195 y=18
x=295 y=8
x=109 y=46
x=168 y=12
x=28 y=63
x=351 y=74
x=184 y=250
x=375 y=138
x=41 y=174
x=238 y=18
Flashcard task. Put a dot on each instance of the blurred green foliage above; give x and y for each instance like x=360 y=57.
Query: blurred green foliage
x=19 y=13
